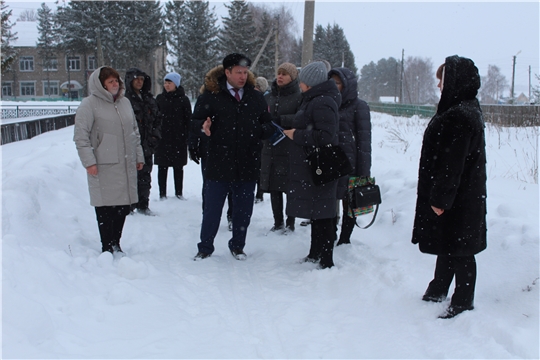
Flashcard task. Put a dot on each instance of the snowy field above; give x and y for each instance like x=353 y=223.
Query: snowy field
x=63 y=299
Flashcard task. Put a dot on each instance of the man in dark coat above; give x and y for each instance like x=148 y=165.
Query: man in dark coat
x=284 y=100
x=354 y=138
x=450 y=219
x=138 y=86
x=234 y=117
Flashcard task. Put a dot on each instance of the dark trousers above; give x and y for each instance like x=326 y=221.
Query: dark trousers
x=229 y=195
x=144 y=179
x=178 y=172
x=215 y=192
x=323 y=234
x=111 y=221
x=464 y=270
x=347 y=223
x=276 y=199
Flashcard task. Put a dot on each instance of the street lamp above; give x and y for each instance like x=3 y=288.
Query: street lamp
x=513 y=77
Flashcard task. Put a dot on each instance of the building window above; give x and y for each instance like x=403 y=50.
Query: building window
x=26 y=63
x=53 y=89
x=92 y=63
x=28 y=88
x=74 y=63
x=7 y=89
x=53 y=65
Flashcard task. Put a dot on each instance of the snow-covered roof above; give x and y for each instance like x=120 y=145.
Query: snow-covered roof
x=27 y=33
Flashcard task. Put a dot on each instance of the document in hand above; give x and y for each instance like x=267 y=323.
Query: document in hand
x=277 y=136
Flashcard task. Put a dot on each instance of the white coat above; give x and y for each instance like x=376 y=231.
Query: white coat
x=106 y=134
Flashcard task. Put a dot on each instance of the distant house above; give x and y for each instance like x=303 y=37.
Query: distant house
x=521 y=99
x=389 y=99
x=67 y=74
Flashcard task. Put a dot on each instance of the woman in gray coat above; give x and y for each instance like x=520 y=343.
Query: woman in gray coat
x=108 y=142
x=315 y=125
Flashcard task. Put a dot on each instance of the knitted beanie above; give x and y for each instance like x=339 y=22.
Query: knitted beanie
x=174 y=77
x=289 y=69
x=261 y=83
x=313 y=74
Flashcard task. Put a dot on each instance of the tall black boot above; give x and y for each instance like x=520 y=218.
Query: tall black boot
x=178 y=180
x=162 y=181
x=324 y=229
x=438 y=287
x=276 y=200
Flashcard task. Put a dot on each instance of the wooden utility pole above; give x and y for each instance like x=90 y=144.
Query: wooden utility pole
x=309 y=24
x=513 y=78
x=276 y=58
x=254 y=64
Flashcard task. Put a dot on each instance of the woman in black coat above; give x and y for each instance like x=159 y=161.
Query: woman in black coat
x=283 y=102
x=354 y=138
x=315 y=125
x=175 y=108
x=450 y=219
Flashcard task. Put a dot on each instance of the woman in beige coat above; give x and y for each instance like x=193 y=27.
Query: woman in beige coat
x=109 y=146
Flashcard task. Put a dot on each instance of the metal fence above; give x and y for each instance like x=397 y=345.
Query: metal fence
x=503 y=115
x=20 y=111
x=23 y=130
x=424 y=111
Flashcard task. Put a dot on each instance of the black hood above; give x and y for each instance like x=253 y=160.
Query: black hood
x=133 y=73
x=461 y=82
x=349 y=81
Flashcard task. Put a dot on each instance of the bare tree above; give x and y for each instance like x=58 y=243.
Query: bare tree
x=28 y=15
x=493 y=85
x=419 y=85
x=285 y=23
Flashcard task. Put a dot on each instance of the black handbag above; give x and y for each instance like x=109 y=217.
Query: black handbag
x=367 y=195
x=328 y=163
x=363 y=196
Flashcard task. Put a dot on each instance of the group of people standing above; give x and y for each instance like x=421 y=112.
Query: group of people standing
x=118 y=130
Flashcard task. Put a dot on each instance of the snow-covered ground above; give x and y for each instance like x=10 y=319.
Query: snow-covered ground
x=62 y=298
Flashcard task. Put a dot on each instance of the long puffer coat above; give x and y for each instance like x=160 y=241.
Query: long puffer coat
x=316 y=124
x=283 y=102
x=146 y=111
x=452 y=172
x=233 y=150
x=175 y=109
x=106 y=134
x=354 y=128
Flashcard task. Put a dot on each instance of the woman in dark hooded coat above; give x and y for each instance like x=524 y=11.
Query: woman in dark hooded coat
x=354 y=138
x=175 y=107
x=315 y=125
x=450 y=219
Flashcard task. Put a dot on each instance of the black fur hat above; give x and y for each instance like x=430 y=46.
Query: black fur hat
x=236 y=59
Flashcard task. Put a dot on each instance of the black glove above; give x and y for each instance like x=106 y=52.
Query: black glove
x=194 y=155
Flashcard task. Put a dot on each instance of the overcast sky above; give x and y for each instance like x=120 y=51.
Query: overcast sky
x=490 y=33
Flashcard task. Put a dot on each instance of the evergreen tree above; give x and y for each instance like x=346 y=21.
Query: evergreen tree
x=46 y=43
x=367 y=83
x=331 y=44
x=8 y=53
x=121 y=33
x=175 y=17
x=199 y=45
x=388 y=74
x=238 y=30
